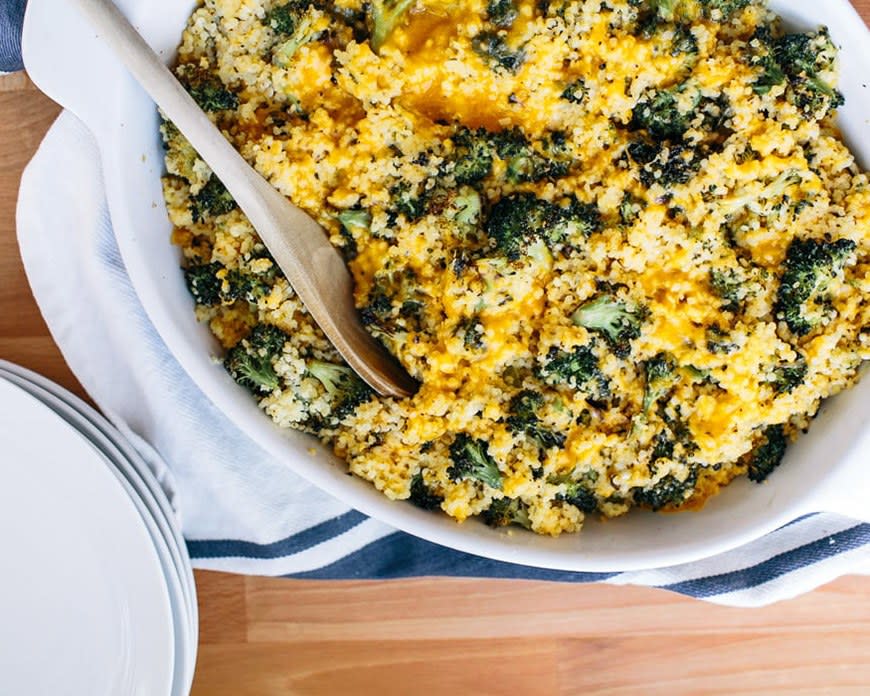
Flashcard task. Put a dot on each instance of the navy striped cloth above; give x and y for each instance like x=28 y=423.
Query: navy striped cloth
x=242 y=511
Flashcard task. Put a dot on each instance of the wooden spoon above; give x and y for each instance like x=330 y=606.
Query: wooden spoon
x=298 y=244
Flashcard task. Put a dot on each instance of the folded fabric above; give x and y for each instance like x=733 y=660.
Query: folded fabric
x=241 y=510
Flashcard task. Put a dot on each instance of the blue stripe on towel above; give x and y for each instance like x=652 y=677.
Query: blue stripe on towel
x=401 y=555
x=776 y=566
x=296 y=543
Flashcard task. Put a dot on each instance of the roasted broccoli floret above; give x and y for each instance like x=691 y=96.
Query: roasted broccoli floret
x=305 y=24
x=577 y=369
x=472 y=155
x=464 y=207
x=404 y=199
x=578 y=493
x=395 y=306
x=718 y=341
x=251 y=362
x=617 y=321
x=810 y=267
x=525 y=163
x=213 y=199
x=767 y=455
x=282 y=19
x=385 y=16
x=505 y=511
x=461 y=205
x=575 y=91
x=788 y=376
x=211 y=284
x=799 y=61
x=663 y=446
x=470 y=460
x=523 y=418
x=520 y=219
x=355 y=221
x=656 y=14
x=771 y=191
x=516 y=221
x=203 y=283
x=630 y=208
x=472 y=332
x=206 y=88
x=241 y=285
x=494 y=49
x=501 y=13
x=666 y=165
x=344 y=388
x=661 y=114
x=664 y=9
x=684 y=42
x=729 y=286
x=422 y=496
x=660 y=376
x=668 y=492
x=723 y=9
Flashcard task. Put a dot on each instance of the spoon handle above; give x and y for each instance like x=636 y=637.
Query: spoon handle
x=314 y=268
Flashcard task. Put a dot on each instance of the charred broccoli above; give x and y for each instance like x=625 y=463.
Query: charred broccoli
x=206 y=88
x=422 y=496
x=577 y=369
x=501 y=13
x=523 y=418
x=472 y=155
x=578 y=493
x=494 y=49
x=788 y=376
x=798 y=61
x=251 y=362
x=768 y=455
x=525 y=163
x=344 y=388
x=810 y=267
x=575 y=91
x=213 y=199
x=617 y=321
x=297 y=23
x=505 y=511
x=661 y=114
x=661 y=376
x=666 y=165
x=520 y=219
x=212 y=284
x=203 y=283
x=669 y=491
x=470 y=460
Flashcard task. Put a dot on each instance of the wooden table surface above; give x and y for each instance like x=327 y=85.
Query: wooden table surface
x=441 y=636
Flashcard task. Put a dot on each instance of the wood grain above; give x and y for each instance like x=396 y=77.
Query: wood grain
x=451 y=636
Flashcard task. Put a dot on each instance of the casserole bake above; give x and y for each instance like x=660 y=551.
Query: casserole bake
x=639 y=541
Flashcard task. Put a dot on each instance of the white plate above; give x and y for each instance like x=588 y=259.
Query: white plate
x=182 y=600
x=129 y=462
x=825 y=470
x=84 y=604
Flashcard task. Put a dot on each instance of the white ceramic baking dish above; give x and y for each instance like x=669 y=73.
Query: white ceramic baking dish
x=826 y=470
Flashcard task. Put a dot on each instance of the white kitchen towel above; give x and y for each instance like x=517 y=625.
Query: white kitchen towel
x=242 y=511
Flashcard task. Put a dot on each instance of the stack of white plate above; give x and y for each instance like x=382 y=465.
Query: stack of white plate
x=96 y=589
